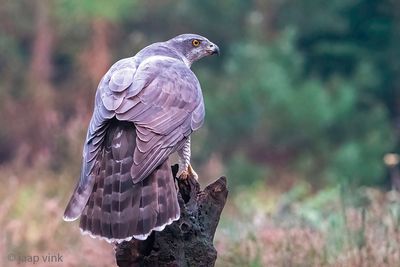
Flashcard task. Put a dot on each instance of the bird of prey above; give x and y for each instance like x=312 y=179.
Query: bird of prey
x=146 y=108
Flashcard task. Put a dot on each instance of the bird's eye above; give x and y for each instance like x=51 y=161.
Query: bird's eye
x=196 y=43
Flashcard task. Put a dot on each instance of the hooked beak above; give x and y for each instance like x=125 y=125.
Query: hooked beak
x=213 y=49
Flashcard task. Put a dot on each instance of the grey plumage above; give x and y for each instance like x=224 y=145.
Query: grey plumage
x=146 y=107
x=118 y=208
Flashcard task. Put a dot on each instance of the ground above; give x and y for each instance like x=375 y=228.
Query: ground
x=259 y=227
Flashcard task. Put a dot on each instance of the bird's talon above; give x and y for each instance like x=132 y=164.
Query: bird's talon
x=189 y=172
x=192 y=172
x=184 y=175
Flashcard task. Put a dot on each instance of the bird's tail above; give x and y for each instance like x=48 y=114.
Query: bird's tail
x=78 y=200
x=118 y=209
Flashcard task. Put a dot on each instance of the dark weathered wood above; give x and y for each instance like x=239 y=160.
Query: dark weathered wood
x=188 y=241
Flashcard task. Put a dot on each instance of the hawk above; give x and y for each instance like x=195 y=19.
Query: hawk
x=146 y=108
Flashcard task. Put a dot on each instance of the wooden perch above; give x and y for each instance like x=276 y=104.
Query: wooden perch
x=188 y=241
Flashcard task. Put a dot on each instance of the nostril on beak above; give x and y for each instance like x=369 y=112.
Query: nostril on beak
x=213 y=49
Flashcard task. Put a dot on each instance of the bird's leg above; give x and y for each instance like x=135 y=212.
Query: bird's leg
x=185 y=169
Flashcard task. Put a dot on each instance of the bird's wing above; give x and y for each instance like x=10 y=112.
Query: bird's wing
x=167 y=109
x=161 y=96
x=109 y=95
x=119 y=76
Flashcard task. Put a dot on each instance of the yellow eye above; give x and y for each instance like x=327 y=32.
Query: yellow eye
x=196 y=42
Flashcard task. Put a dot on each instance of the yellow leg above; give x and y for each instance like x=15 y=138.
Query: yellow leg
x=189 y=172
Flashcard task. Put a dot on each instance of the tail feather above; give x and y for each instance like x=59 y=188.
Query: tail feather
x=78 y=200
x=119 y=209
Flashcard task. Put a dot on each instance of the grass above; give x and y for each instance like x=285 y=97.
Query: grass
x=31 y=221
x=259 y=227
x=331 y=228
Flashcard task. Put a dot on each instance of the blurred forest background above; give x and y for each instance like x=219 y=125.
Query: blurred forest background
x=302 y=106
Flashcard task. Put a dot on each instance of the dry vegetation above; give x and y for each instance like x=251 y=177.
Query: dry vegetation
x=30 y=219
x=259 y=227
x=329 y=229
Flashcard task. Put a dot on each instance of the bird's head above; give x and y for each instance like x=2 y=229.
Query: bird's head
x=193 y=47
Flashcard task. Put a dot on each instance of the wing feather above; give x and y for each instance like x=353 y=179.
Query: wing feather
x=161 y=96
x=155 y=157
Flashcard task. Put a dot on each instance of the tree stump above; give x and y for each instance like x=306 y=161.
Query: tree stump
x=186 y=242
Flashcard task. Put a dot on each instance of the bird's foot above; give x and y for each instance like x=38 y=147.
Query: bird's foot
x=189 y=172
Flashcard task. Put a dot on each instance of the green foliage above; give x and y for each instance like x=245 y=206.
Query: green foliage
x=306 y=95
x=330 y=128
x=343 y=35
x=96 y=9
x=244 y=173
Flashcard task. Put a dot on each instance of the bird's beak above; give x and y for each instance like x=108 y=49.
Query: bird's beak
x=213 y=49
